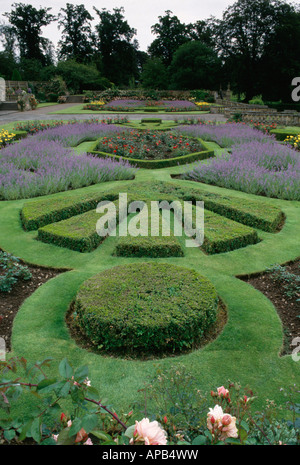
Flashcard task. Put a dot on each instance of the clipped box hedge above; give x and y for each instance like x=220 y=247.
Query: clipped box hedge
x=145 y=308
x=224 y=235
x=38 y=213
x=152 y=245
x=257 y=214
x=70 y=221
x=253 y=213
x=282 y=134
x=77 y=233
x=151 y=120
x=163 y=163
x=19 y=134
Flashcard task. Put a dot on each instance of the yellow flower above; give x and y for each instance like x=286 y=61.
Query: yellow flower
x=98 y=102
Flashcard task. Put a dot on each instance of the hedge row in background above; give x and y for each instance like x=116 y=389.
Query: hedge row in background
x=146 y=308
x=20 y=134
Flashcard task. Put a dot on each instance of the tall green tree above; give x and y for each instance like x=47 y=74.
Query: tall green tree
x=195 y=65
x=77 y=37
x=280 y=60
x=171 y=33
x=79 y=76
x=27 y=23
x=8 y=40
x=155 y=74
x=117 y=47
x=203 y=31
x=8 y=56
x=246 y=31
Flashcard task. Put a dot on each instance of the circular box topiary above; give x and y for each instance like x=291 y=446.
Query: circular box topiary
x=146 y=308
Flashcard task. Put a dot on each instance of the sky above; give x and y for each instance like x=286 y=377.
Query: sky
x=140 y=14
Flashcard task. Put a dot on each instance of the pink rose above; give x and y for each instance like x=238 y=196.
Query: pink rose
x=222 y=392
x=222 y=425
x=150 y=433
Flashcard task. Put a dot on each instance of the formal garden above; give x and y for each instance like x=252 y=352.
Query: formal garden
x=119 y=338
x=149 y=234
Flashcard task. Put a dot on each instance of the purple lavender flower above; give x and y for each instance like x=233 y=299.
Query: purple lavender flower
x=35 y=166
x=226 y=134
x=258 y=167
x=70 y=135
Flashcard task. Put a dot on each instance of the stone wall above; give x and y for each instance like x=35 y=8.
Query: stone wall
x=256 y=113
x=11 y=86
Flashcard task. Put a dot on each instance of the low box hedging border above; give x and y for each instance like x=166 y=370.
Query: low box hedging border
x=227 y=244
x=158 y=164
x=66 y=234
x=255 y=214
x=282 y=134
x=119 y=313
x=19 y=134
x=39 y=213
x=235 y=213
x=149 y=246
x=220 y=235
x=62 y=234
x=152 y=247
x=224 y=235
x=151 y=120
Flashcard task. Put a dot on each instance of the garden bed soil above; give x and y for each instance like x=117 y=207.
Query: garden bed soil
x=10 y=302
x=287 y=308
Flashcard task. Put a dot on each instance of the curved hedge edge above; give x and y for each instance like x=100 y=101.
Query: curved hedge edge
x=282 y=134
x=157 y=164
x=151 y=335
x=20 y=134
x=84 y=139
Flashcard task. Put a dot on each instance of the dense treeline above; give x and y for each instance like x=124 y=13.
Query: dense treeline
x=255 y=47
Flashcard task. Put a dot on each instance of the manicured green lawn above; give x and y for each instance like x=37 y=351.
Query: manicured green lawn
x=46 y=104
x=246 y=351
